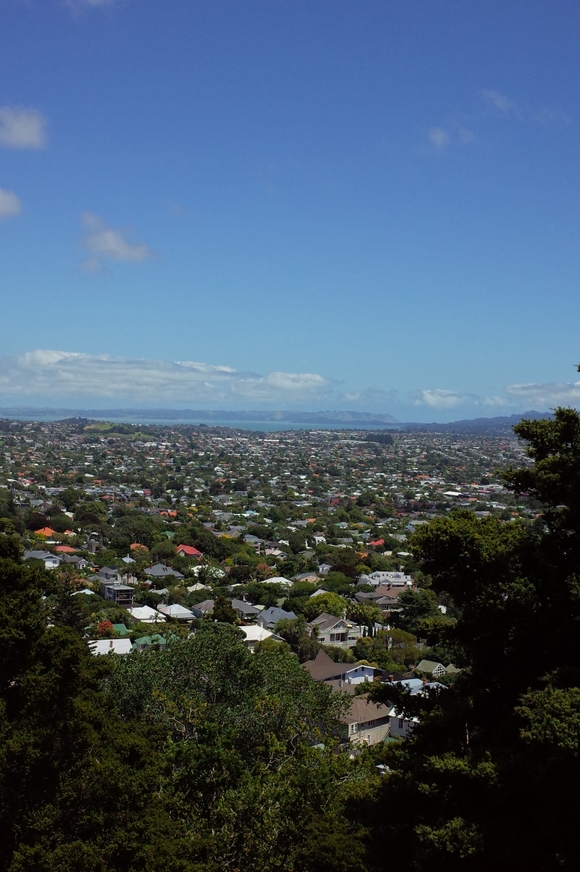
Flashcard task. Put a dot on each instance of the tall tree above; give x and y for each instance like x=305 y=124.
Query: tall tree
x=491 y=778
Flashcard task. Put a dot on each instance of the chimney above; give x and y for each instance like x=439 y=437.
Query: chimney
x=111 y=644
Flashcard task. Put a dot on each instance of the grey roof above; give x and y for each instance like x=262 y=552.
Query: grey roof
x=244 y=607
x=326 y=621
x=270 y=617
x=160 y=570
x=39 y=555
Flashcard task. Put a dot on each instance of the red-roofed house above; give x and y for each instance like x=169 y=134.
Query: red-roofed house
x=65 y=549
x=188 y=551
x=47 y=532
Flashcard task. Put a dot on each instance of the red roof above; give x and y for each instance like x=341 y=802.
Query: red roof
x=47 y=532
x=188 y=550
x=377 y=542
x=66 y=549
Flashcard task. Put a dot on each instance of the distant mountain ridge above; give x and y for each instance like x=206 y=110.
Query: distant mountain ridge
x=334 y=419
x=498 y=424
x=328 y=418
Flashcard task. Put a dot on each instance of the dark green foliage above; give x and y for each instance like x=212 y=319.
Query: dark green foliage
x=196 y=759
x=493 y=773
x=223 y=611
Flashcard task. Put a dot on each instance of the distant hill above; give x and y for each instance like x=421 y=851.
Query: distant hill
x=329 y=418
x=500 y=424
x=333 y=419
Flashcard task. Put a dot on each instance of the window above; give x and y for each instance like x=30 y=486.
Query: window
x=401 y=723
x=353 y=729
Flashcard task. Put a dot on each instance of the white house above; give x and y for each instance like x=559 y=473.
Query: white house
x=51 y=561
x=146 y=615
x=254 y=634
x=110 y=646
x=400 y=726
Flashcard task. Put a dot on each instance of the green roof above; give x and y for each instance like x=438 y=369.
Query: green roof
x=121 y=629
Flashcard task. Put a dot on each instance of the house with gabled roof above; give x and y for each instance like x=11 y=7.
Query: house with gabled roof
x=367 y=722
x=331 y=630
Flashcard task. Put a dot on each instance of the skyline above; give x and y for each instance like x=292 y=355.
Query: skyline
x=362 y=208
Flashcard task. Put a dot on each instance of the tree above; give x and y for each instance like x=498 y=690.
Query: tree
x=416 y=606
x=493 y=748
x=324 y=602
x=295 y=632
x=223 y=611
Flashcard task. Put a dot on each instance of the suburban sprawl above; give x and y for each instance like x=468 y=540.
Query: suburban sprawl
x=242 y=644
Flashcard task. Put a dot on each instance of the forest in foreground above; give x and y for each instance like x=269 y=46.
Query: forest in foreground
x=207 y=757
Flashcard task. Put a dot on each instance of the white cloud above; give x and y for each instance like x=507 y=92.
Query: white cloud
x=546 y=395
x=548 y=115
x=438 y=137
x=500 y=103
x=10 y=204
x=76 y=5
x=106 y=243
x=22 y=128
x=442 y=399
x=63 y=374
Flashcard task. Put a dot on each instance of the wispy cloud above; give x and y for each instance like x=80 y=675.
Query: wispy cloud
x=64 y=374
x=547 y=395
x=22 y=128
x=77 y=5
x=10 y=204
x=438 y=137
x=442 y=399
x=500 y=103
x=105 y=243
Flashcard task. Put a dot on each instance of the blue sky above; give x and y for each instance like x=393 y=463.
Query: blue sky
x=303 y=204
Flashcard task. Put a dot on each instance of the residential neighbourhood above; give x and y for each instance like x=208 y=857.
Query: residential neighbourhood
x=298 y=538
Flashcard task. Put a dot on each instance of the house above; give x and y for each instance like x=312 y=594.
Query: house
x=335 y=631
x=51 y=561
x=254 y=634
x=205 y=607
x=110 y=646
x=79 y=562
x=46 y=533
x=176 y=611
x=279 y=579
x=160 y=570
x=149 y=643
x=432 y=668
x=197 y=586
x=368 y=723
x=395 y=579
x=270 y=617
x=120 y=594
x=401 y=727
x=306 y=576
x=188 y=551
x=246 y=611
x=324 y=668
x=146 y=615
x=109 y=573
